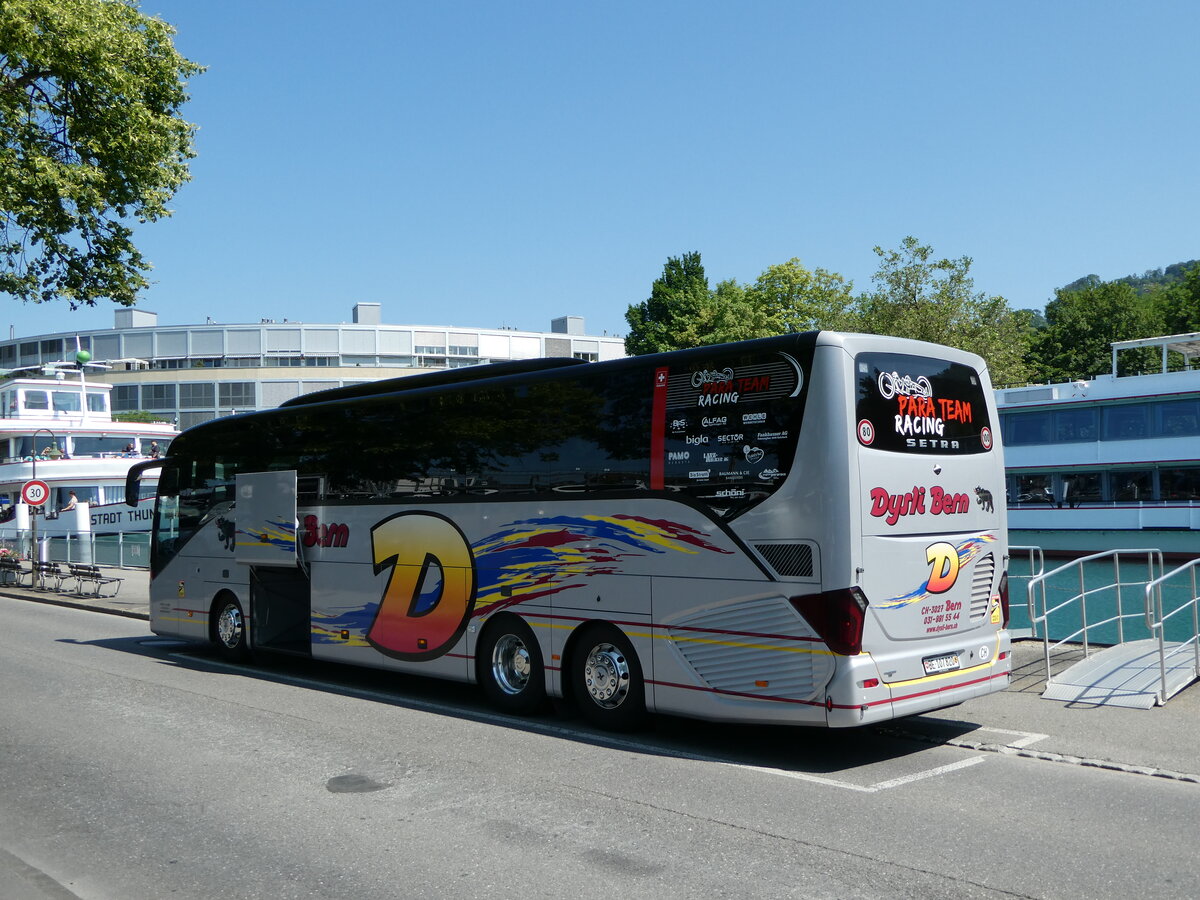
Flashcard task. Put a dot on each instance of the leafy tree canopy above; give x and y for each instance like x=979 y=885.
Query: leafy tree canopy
x=1081 y=323
x=683 y=311
x=90 y=138
x=919 y=296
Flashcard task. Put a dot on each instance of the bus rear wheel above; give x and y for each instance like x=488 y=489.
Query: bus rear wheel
x=510 y=666
x=229 y=629
x=606 y=679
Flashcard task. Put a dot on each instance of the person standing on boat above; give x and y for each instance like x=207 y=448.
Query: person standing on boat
x=154 y=449
x=71 y=501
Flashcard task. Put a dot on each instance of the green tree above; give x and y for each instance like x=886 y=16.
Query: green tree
x=1081 y=323
x=679 y=301
x=1179 y=304
x=921 y=297
x=90 y=141
x=790 y=298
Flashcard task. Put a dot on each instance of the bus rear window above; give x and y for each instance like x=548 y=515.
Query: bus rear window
x=916 y=404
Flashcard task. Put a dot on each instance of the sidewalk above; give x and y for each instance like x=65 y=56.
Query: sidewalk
x=1162 y=742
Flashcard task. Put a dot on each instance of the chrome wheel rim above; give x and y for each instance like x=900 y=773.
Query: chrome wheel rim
x=511 y=664
x=606 y=676
x=229 y=626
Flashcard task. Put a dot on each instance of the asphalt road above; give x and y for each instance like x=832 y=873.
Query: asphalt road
x=138 y=768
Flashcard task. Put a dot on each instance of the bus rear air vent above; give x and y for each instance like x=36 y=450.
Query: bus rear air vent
x=788 y=560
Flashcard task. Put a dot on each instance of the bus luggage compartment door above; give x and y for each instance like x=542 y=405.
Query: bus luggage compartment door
x=280 y=604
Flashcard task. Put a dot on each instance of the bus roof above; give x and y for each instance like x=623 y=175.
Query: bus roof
x=433 y=379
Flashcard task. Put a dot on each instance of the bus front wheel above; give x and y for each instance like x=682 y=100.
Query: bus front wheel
x=510 y=666
x=229 y=629
x=606 y=679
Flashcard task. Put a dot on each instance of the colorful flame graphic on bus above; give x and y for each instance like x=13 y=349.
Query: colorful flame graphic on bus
x=280 y=535
x=533 y=558
x=966 y=552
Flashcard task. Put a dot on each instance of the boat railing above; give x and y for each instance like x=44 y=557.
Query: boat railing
x=1074 y=609
x=1156 y=620
x=1036 y=560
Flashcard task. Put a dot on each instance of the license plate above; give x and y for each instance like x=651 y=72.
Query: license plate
x=947 y=663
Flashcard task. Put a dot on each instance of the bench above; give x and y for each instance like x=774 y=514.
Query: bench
x=91 y=575
x=44 y=572
x=11 y=570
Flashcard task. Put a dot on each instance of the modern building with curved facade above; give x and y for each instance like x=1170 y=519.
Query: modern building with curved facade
x=204 y=371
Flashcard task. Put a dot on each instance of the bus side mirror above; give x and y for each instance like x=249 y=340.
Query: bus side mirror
x=133 y=479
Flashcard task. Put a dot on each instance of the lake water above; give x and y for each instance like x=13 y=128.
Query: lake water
x=1110 y=586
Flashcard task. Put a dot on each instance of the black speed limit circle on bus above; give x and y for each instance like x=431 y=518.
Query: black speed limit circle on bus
x=35 y=493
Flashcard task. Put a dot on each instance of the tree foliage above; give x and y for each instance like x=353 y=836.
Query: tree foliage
x=90 y=139
x=1081 y=323
x=794 y=299
x=683 y=311
x=921 y=297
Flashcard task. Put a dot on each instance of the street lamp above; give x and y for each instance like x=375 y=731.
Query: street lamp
x=52 y=453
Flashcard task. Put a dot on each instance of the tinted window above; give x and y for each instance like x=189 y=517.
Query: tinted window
x=916 y=404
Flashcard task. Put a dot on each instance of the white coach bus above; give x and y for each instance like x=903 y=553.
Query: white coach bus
x=807 y=529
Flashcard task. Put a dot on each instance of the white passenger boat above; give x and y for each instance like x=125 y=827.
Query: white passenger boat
x=1108 y=462
x=60 y=431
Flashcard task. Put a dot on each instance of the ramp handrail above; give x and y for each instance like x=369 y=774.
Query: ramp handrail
x=1037 y=587
x=1037 y=566
x=1157 y=622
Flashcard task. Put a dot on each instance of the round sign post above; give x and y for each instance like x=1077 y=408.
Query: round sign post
x=35 y=493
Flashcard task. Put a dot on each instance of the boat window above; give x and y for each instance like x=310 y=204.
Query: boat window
x=1179 y=418
x=96 y=401
x=1082 y=487
x=1134 y=486
x=1028 y=428
x=66 y=401
x=1123 y=423
x=1075 y=425
x=1180 y=484
x=36 y=400
x=1033 y=489
x=98 y=445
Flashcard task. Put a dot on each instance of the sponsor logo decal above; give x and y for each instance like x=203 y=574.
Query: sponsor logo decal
x=912 y=503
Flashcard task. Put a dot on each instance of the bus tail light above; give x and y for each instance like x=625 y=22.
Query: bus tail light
x=1004 y=600
x=837 y=617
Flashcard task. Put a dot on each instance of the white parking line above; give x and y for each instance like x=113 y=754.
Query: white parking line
x=866 y=788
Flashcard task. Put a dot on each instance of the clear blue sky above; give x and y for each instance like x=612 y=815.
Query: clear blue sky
x=503 y=163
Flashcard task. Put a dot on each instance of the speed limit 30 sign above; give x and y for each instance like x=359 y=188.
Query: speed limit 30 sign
x=35 y=493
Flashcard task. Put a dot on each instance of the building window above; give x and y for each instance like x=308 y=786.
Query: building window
x=197 y=396
x=462 y=351
x=237 y=394
x=429 y=349
x=158 y=396
x=125 y=398
x=585 y=356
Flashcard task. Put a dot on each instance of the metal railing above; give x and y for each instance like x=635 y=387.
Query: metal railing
x=1152 y=560
x=1157 y=622
x=129 y=550
x=1037 y=566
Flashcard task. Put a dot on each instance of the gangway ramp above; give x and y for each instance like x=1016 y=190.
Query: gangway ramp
x=1117 y=609
x=1127 y=675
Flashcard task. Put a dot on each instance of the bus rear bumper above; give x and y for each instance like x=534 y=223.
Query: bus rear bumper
x=921 y=695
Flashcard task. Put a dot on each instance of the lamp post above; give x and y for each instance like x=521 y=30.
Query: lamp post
x=52 y=453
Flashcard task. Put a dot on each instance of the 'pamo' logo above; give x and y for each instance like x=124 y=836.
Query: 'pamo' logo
x=679 y=455
x=893 y=384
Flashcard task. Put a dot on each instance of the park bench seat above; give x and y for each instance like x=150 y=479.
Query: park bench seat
x=92 y=577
